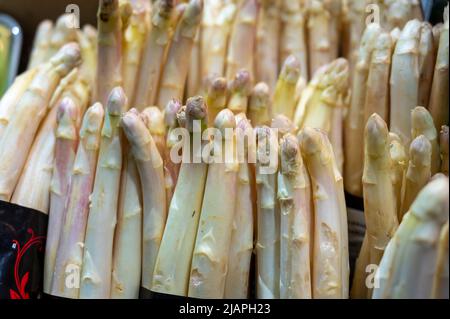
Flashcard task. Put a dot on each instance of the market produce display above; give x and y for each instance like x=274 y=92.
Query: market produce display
x=206 y=148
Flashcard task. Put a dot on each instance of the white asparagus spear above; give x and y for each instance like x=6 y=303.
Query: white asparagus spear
x=405 y=80
x=241 y=247
x=172 y=268
x=65 y=151
x=151 y=171
x=283 y=102
x=268 y=219
x=294 y=195
x=427 y=60
x=70 y=249
x=98 y=246
x=173 y=77
x=407 y=269
x=32 y=107
x=239 y=90
x=40 y=44
x=330 y=256
x=438 y=104
x=126 y=268
x=399 y=164
x=12 y=96
x=63 y=32
x=212 y=245
x=422 y=124
x=259 y=108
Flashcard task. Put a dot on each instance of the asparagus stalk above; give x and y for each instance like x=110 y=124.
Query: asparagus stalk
x=171 y=272
x=70 y=249
x=175 y=71
x=216 y=98
x=109 y=49
x=377 y=88
x=62 y=33
x=18 y=136
x=422 y=124
x=241 y=247
x=444 y=149
x=216 y=29
x=379 y=201
x=405 y=80
x=294 y=195
x=211 y=252
x=441 y=277
x=427 y=60
x=98 y=246
x=283 y=103
x=409 y=264
x=438 y=104
x=12 y=96
x=399 y=162
x=437 y=29
x=133 y=44
x=239 y=89
x=40 y=44
x=318 y=26
x=330 y=256
x=243 y=40
x=284 y=125
x=153 y=54
x=419 y=171
x=170 y=120
x=64 y=156
x=267 y=41
x=354 y=125
x=259 y=107
x=359 y=286
x=126 y=266
x=151 y=171
x=194 y=80
x=88 y=69
x=398 y=13
x=268 y=219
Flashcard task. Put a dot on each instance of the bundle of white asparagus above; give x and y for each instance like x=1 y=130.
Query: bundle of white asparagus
x=222 y=129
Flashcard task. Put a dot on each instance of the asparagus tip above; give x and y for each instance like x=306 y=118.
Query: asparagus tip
x=289 y=154
x=420 y=151
x=376 y=135
x=225 y=120
x=241 y=82
x=283 y=124
x=196 y=110
x=291 y=69
x=67 y=109
x=154 y=120
x=260 y=96
x=170 y=112
x=117 y=101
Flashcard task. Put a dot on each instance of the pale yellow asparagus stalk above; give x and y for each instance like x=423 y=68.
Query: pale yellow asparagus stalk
x=422 y=124
x=377 y=89
x=379 y=198
x=239 y=91
x=409 y=264
x=32 y=107
x=211 y=252
x=441 y=276
x=330 y=253
x=418 y=173
x=268 y=219
x=318 y=27
x=41 y=44
x=268 y=41
x=294 y=195
x=156 y=42
x=259 y=108
x=109 y=49
x=70 y=249
x=216 y=98
x=133 y=44
x=354 y=125
x=98 y=246
x=172 y=268
x=334 y=9
x=88 y=47
x=176 y=68
x=216 y=29
x=283 y=101
x=63 y=32
x=405 y=80
x=64 y=156
x=241 y=246
x=126 y=266
x=12 y=96
x=151 y=171
x=170 y=120
x=194 y=80
x=399 y=164
x=243 y=40
x=427 y=59
x=443 y=143
x=359 y=283
x=438 y=104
